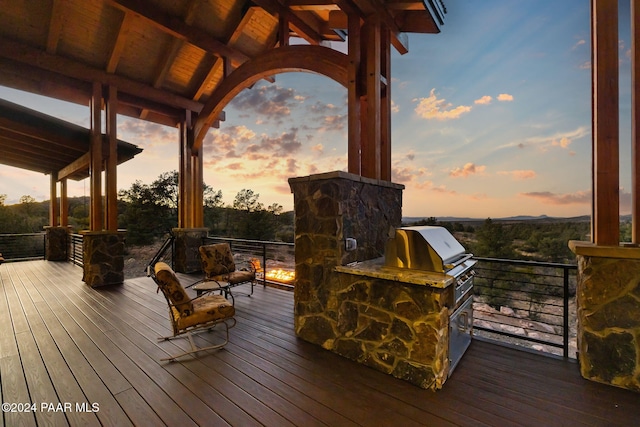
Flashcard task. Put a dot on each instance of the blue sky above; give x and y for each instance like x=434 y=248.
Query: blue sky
x=491 y=118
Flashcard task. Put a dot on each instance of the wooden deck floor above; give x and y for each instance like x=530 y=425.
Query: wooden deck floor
x=65 y=347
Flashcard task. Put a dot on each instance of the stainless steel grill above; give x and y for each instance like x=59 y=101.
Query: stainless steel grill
x=434 y=249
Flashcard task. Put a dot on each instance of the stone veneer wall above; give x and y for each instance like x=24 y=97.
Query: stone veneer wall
x=186 y=255
x=608 y=300
x=57 y=247
x=397 y=328
x=103 y=257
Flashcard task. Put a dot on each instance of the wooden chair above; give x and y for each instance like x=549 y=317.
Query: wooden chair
x=189 y=315
x=219 y=266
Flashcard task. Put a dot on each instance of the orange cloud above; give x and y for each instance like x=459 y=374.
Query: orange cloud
x=519 y=174
x=484 y=100
x=466 y=170
x=434 y=108
x=563 y=142
x=505 y=97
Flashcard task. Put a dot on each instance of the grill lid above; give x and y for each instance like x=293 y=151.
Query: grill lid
x=424 y=248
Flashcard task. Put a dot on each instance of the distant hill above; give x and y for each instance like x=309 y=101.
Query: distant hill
x=511 y=219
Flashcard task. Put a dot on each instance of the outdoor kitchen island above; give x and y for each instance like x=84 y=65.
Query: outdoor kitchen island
x=354 y=302
x=402 y=322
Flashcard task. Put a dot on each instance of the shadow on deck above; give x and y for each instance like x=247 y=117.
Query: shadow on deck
x=81 y=356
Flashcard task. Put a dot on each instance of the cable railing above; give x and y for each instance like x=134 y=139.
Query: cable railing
x=274 y=261
x=22 y=247
x=526 y=303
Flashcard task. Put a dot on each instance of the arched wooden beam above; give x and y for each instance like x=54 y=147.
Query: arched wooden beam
x=307 y=58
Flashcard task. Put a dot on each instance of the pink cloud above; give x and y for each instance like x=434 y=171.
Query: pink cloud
x=549 y=198
x=466 y=170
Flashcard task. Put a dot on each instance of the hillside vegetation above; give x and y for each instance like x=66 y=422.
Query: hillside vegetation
x=149 y=211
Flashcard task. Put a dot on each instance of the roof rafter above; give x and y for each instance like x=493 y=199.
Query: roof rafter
x=178 y=28
x=23 y=53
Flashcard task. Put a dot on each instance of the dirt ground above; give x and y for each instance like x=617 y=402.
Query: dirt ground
x=136 y=259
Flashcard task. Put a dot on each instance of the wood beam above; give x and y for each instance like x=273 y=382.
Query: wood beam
x=81 y=163
x=605 y=122
x=635 y=120
x=303 y=29
x=317 y=59
x=121 y=41
x=55 y=25
x=370 y=9
x=95 y=169
x=20 y=52
x=220 y=65
x=178 y=28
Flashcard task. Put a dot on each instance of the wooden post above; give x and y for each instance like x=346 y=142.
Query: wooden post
x=197 y=188
x=112 y=160
x=606 y=198
x=53 y=199
x=635 y=119
x=385 y=105
x=354 y=93
x=95 y=166
x=185 y=177
x=64 y=204
x=370 y=148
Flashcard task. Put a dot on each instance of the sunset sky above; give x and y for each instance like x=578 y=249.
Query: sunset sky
x=491 y=118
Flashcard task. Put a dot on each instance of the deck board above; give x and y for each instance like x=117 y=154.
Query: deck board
x=62 y=341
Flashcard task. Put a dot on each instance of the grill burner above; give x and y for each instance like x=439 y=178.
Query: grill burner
x=434 y=249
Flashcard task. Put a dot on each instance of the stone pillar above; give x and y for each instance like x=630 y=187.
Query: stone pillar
x=608 y=300
x=57 y=247
x=186 y=257
x=103 y=257
x=329 y=208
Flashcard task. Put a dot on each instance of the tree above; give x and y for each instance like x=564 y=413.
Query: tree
x=247 y=200
x=492 y=241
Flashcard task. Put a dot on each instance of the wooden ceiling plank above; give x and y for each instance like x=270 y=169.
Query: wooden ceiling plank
x=19 y=143
x=219 y=64
x=23 y=53
x=55 y=25
x=121 y=41
x=39 y=133
x=176 y=45
x=177 y=28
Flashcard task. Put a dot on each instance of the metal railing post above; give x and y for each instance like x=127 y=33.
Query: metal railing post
x=565 y=328
x=264 y=265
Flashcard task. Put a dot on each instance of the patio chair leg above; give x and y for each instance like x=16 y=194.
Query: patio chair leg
x=194 y=348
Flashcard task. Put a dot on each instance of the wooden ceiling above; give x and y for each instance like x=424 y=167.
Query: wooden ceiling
x=167 y=56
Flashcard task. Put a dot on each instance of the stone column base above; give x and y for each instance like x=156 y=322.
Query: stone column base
x=186 y=257
x=57 y=247
x=103 y=255
x=608 y=297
